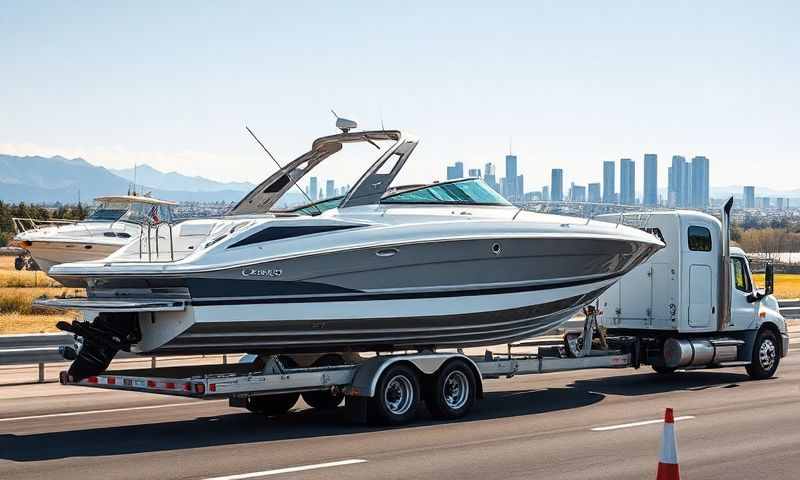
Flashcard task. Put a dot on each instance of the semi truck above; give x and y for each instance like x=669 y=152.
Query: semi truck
x=692 y=305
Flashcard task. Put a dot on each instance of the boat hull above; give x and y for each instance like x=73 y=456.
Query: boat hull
x=46 y=254
x=381 y=324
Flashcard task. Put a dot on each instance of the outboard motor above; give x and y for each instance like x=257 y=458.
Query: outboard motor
x=102 y=339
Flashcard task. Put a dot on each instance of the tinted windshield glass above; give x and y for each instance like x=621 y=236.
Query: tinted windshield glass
x=319 y=207
x=108 y=212
x=471 y=192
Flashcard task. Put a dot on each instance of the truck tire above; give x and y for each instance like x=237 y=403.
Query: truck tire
x=325 y=399
x=766 y=356
x=396 y=397
x=272 y=405
x=453 y=391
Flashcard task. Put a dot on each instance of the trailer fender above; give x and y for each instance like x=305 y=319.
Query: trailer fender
x=365 y=380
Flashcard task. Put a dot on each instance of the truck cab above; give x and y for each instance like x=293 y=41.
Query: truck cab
x=684 y=297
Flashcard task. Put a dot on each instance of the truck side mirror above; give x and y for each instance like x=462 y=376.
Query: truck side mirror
x=769 y=279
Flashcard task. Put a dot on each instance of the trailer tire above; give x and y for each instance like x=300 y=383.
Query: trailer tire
x=452 y=392
x=272 y=405
x=766 y=356
x=396 y=397
x=325 y=399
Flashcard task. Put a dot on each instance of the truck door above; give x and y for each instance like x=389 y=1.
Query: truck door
x=743 y=312
x=701 y=255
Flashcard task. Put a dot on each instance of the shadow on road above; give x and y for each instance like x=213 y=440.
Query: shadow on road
x=244 y=428
x=650 y=383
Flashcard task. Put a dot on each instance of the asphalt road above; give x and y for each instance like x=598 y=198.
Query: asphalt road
x=536 y=426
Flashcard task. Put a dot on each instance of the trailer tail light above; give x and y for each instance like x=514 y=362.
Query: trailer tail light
x=212 y=387
x=187 y=387
x=151 y=384
x=91 y=380
x=199 y=388
x=111 y=380
x=170 y=385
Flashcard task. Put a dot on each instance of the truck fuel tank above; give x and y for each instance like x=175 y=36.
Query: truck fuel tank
x=698 y=352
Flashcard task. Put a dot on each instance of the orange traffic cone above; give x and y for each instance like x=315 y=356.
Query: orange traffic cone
x=668 y=463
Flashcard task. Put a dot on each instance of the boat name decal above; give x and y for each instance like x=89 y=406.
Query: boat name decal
x=262 y=272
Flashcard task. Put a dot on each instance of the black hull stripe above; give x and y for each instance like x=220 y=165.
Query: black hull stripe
x=404 y=295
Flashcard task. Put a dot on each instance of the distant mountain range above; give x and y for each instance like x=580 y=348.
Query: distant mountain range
x=36 y=179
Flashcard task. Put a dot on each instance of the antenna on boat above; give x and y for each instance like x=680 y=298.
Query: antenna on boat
x=310 y=202
x=344 y=124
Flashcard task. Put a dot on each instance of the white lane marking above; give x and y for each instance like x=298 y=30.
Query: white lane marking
x=110 y=410
x=638 y=424
x=300 y=468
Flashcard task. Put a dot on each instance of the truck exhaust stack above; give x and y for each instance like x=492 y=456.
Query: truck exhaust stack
x=724 y=315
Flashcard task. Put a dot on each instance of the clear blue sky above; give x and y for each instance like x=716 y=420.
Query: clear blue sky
x=574 y=83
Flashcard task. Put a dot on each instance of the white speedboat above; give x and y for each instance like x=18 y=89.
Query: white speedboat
x=440 y=265
x=117 y=221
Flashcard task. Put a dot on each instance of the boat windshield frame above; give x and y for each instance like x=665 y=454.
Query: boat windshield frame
x=125 y=216
x=367 y=190
x=504 y=203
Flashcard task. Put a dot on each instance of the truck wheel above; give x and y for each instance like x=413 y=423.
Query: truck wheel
x=325 y=399
x=453 y=391
x=765 y=356
x=272 y=405
x=662 y=370
x=397 y=396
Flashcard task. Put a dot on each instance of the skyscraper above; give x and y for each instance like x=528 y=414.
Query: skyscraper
x=489 y=176
x=609 y=185
x=330 y=189
x=557 y=185
x=312 y=188
x=679 y=182
x=546 y=193
x=593 y=194
x=627 y=181
x=700 y=182
x=650 y=179
x=511 y=175
x=577 y=193
x=475 y=172
x=455 y=171
x=749 y=197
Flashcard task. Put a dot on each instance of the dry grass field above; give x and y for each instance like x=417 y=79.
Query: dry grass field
x=787 y=285
x=18 y=290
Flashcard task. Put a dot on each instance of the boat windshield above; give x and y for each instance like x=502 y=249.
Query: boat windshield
x=318 y=207
x=470 y=191
x=108 y=212
x=148 y=213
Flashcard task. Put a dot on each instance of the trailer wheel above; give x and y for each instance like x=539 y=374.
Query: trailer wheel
x=397 y=396
x=325 y=399
x=766 y=356
x=272 y=405
x=453 y=391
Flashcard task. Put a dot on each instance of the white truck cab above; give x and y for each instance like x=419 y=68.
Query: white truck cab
x=688 y=309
